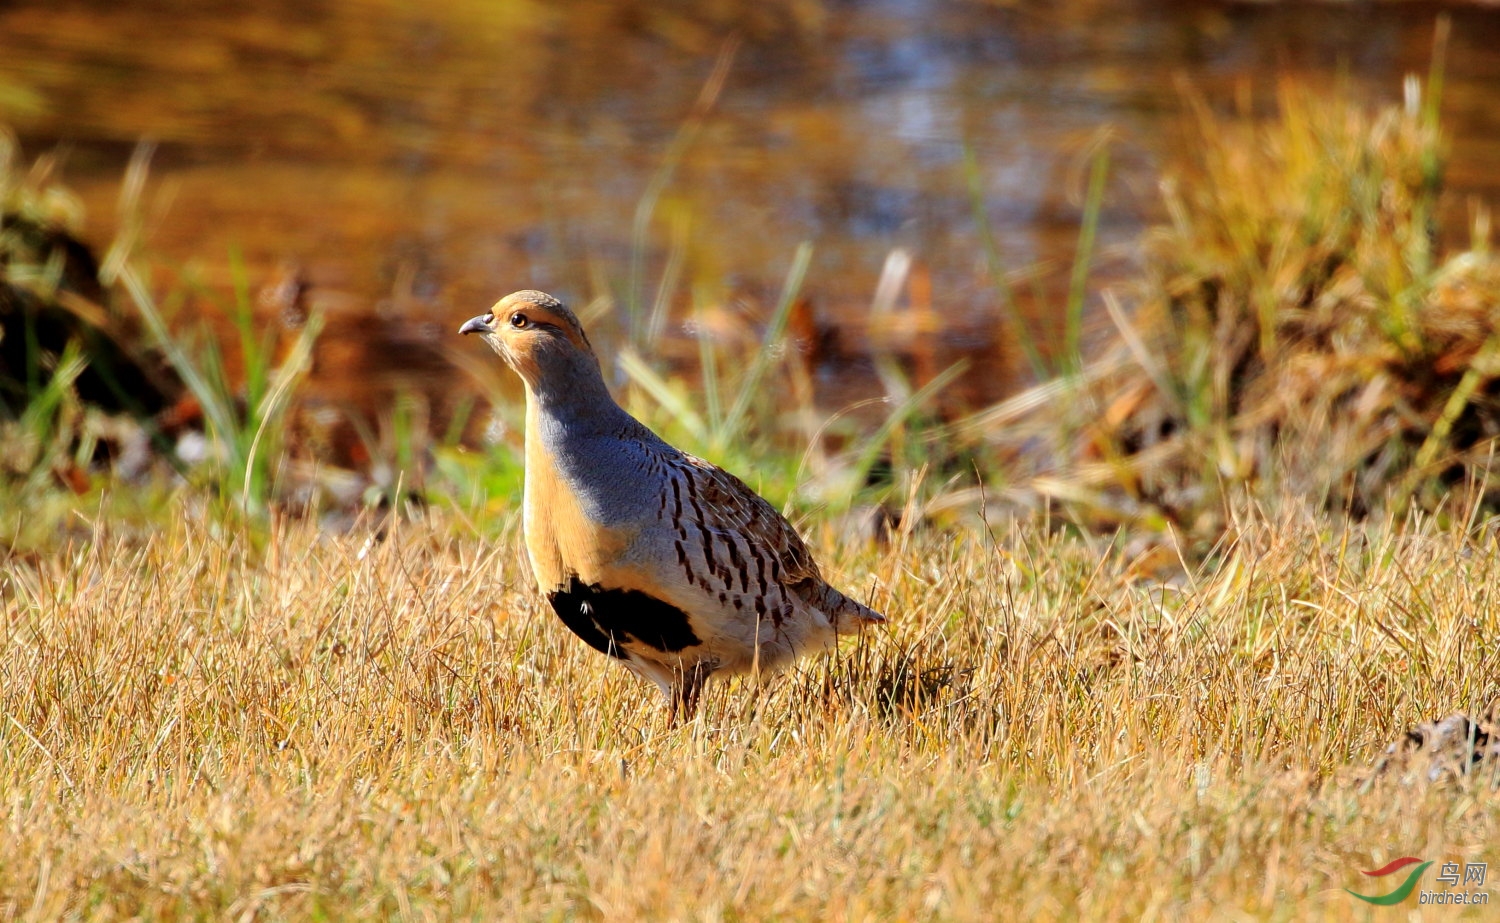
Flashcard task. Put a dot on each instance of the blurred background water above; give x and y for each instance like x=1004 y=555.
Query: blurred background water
x=421 y=159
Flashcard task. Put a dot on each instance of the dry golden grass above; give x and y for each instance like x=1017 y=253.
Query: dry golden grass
x=205 y=722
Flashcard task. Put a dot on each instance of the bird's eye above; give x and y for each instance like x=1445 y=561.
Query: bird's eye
x=519 y=321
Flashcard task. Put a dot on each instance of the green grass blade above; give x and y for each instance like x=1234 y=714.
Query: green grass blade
x=1024 y=336
x=749 y=387
x=1072 y=358
x=872 y=446
x=646 y=378
x=211 y=396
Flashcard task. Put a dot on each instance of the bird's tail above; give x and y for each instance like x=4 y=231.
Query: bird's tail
x=847 y=615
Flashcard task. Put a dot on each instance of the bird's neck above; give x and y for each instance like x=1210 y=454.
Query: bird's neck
x=568 y=397
x=581 y=448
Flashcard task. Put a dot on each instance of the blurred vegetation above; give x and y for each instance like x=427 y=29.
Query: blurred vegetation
x=1295 y=333
x=78 y=393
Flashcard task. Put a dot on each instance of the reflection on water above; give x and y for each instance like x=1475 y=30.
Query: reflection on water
x=416 y=161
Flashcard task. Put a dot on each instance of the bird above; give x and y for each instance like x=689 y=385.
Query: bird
x=661 y=560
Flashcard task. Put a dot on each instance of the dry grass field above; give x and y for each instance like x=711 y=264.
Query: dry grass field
x=205 y=722
x=1149 y=638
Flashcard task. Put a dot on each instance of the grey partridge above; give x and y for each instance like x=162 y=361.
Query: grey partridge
x=654 y=557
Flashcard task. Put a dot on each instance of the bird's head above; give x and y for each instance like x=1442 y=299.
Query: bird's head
x=535 y=334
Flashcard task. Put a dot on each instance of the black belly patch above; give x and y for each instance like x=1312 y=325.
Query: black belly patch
x=609 y=619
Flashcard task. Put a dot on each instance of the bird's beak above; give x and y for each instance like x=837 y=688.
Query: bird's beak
x=480 y=324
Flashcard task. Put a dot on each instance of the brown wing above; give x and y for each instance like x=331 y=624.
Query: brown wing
x=724 y=502
x=735 y=520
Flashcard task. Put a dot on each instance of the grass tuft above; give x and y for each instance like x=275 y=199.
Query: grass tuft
x=1297 y=333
